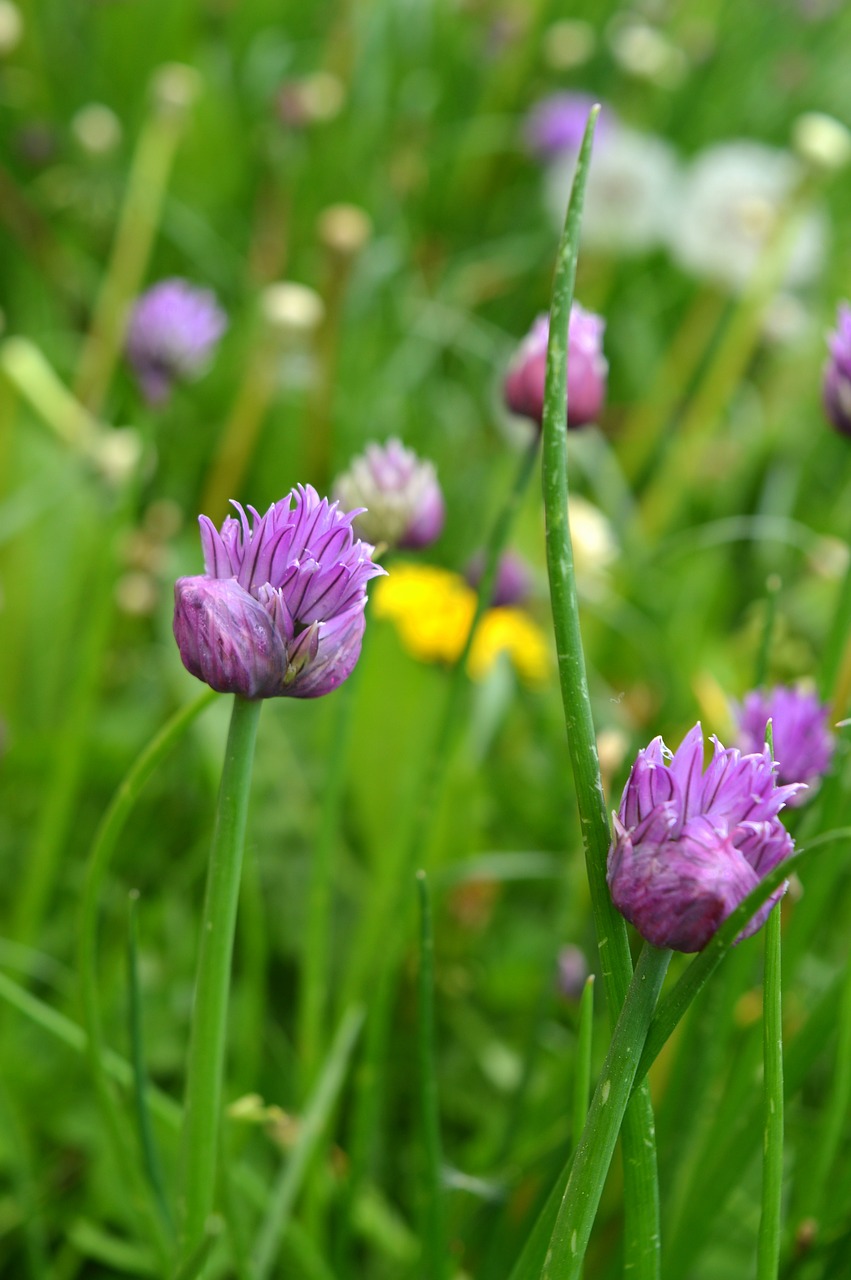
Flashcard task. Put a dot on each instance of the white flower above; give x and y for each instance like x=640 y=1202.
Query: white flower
x=732 y=198
x=633 y=184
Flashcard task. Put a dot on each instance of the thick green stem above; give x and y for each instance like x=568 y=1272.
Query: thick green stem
x=205 y=1068
x=768 y=1250
x=640 y=1179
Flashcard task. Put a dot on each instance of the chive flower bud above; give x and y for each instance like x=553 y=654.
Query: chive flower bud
x=690 y=845
x=403 y=500
x=803 y=743
x=587 y=370
x=280 y=610
x=172 y=335
x=836 y=385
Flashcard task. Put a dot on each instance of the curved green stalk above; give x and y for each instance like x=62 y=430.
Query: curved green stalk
x=435 y=1256
x=205 y=1068
x=641 y=1195
x=768 y=1247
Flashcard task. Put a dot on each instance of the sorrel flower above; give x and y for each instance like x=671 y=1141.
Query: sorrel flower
x=173 y=332
x=587 y=369
x=836 y=387
x=691 y=845
x=280 y=609
x=803 y=743
x=403 y=500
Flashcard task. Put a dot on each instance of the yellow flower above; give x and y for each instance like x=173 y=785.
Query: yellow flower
x=432 y=609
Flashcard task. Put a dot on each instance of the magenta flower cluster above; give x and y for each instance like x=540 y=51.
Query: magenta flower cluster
x=280 y=609
x=836 y=387
x=803 y=742
x=691 y=845
x=587 y=370
x=171 y=337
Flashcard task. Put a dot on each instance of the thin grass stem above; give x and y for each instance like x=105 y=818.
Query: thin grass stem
x=768 y=1245
x=435 y=1257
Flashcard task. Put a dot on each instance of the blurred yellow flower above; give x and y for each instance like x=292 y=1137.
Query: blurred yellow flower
x=432 y=609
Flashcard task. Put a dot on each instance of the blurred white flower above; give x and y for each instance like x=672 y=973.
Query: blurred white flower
x=632 y=191
x=595 y=547
x=644 y=52
x=732 y=198
x=822 y=141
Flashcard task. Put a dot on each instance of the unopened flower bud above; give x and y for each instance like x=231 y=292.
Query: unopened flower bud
x=173 y=332
x=587 y=370
x=344 y=229
x=513 y=581
x=291 y=310
x=822 y=141
x=401 y=494
x=572 y=972
x=175 y=87
x=836 y=384
x=11 y=27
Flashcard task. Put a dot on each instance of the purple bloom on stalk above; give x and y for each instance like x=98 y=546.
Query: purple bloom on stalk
x=587 y=369
x=803 y=743
x=280 y=611
x=557 y=124
x=513 y=582
x=691 y=845
x=171 y=337
x=403 y=500
x=836 y=387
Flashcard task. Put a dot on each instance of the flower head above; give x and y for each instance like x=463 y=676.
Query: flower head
x=401 y=493
x=280 y=609
x=691 y=845
x=557 y=124
x=587 y=369
x=836 y=386
x=171 y=337
x=803 y=744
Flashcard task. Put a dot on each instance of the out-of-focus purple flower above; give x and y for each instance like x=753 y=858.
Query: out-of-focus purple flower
x=587 y=369
x=803 y=743
x=557 y=124
x=403 y=500
x=172 y=335
x=572 y=972
x=691 y=845
x=280 y=611
x=836 y=387
x=513 y=582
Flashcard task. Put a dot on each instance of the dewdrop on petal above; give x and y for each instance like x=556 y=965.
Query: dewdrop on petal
x=401 y=495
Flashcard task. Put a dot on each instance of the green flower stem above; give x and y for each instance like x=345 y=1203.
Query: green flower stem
x=836 y=1108
x=582 y=1077
x=593 y=1155
x=103 y=847
x=435 y=1256
x=173 y=91
x=768 y=1246
x=837 y=645
x=641 y=1196
x=36 y=380
x=205 y=1068
x=314 y=961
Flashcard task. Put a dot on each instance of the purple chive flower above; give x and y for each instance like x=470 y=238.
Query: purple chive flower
x=557 y=124
x=513 y=582
x=836 y=387
x=280 y=610
x=691 y=845
x=587 y=369
x=803 y=743
x=172 y=334
x=401 y=493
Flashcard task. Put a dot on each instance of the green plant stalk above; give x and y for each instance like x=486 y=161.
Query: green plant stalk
x=281 y=1201
x=150 y=1155
x=837 y=640
x=36 y=380
x=134 y=237
x=768 y=1244
x=582 y=1077
x=435 y=1257
x=596 y=1146
x=641 y=1194
x=835 y=1112
x=205 y=1067
x=315 y=953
